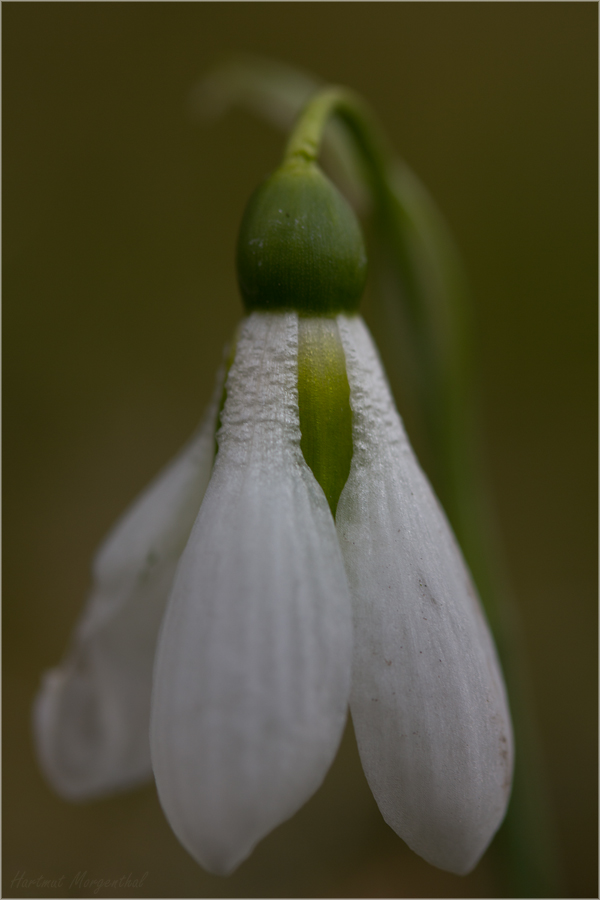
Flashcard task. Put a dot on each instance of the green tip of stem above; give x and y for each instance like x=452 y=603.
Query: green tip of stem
x=300 y=246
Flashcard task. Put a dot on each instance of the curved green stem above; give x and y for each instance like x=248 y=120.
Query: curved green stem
x=419 y=256
x=307 y=136
x=433 y=338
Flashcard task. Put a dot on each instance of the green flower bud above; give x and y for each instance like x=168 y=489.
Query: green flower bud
x=300 y=246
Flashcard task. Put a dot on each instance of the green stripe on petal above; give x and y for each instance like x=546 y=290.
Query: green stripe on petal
x=324 y=401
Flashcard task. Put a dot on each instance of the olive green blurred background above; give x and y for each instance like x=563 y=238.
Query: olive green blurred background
x=120 y=219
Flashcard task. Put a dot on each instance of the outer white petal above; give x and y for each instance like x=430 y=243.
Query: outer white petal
x=253 y=666
x=428 y=701
x=92 y=715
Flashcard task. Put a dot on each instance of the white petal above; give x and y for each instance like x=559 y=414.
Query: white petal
x=252 y=674
x=92 y=714
x=428 y=701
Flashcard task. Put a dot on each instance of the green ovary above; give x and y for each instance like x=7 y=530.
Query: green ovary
x=324 y=401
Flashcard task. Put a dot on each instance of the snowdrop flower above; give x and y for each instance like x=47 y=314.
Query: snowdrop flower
x=248 y=597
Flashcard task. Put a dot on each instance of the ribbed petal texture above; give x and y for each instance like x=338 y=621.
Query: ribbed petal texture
x=252 y=675
x=92 y=715
x=428 y=702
